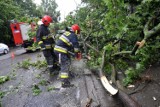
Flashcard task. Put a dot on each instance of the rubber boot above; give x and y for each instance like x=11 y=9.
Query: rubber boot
x=55 y=70
x=53 y=73
x=50 y=70
x=72 y=75
x=66 y=83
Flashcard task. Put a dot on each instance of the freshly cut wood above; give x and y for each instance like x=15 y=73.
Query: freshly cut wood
x=103 y=78
x=108 y=86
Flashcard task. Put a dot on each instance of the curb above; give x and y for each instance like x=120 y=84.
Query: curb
x=92 y=93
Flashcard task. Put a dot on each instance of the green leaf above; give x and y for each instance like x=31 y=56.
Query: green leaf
x=3 y=79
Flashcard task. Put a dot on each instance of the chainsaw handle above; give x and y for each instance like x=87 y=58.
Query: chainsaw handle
x=78 y=56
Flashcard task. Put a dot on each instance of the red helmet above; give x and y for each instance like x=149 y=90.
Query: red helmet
x=76 y=28
x=46 y=20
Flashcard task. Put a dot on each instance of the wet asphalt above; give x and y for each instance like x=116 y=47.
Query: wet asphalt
x=19 y=89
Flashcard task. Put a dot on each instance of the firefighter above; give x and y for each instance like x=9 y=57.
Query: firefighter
x=67 y=42
x=46 y=42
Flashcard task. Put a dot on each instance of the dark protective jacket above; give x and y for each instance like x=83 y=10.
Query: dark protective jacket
x=68 y=41
x=44 y=38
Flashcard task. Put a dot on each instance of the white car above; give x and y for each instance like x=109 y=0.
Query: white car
x=4 y=49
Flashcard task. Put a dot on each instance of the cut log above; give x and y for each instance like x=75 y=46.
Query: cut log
x=127 y=100
x=108 y=86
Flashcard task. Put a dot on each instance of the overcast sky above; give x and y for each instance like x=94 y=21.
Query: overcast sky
x=65 y=6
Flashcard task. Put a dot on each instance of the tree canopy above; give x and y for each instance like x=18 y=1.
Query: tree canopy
x=116 y=27
x=7 y=12
x=49 y=7
x=23 y=10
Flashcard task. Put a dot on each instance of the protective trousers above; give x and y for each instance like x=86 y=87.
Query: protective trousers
x=65 y=63
x=51 y=59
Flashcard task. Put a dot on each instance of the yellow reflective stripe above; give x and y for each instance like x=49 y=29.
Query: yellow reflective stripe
x=60 y=50
x=48 y=46
x=67 y=33
x=65 y=40
x=60 y=47
x=46 y=37
x=49 y=36
x=64 y=75
x=76 y=32
x=40 y=42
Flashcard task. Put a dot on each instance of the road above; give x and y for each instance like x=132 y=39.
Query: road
x=8 y=61
x=18 y=91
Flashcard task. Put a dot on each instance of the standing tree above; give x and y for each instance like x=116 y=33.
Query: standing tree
x=27 y=7
x=49 y=8
x=6 y=13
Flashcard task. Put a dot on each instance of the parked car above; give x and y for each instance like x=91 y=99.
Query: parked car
x=4 y=49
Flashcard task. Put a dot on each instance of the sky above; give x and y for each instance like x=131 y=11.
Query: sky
x=65 y=6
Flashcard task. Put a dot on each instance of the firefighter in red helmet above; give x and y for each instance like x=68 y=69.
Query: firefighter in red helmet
x=76 y=29
x=67 y=42
x=46 y=20
x=46 y=42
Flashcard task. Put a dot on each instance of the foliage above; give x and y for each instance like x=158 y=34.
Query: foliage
x=2 y=94
x=27 y=63
x=50 y=88
x=38 y=76
x=49 y=8
x=36 y=90
x=23 y=11
x=6 y=13
x=116 y=26
x=43 y=82
x=33 y=47
x=54 y=27
x=105 y=24
x=3 y=79
x=27 y=8
x=40 y=64
x=14 y=10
